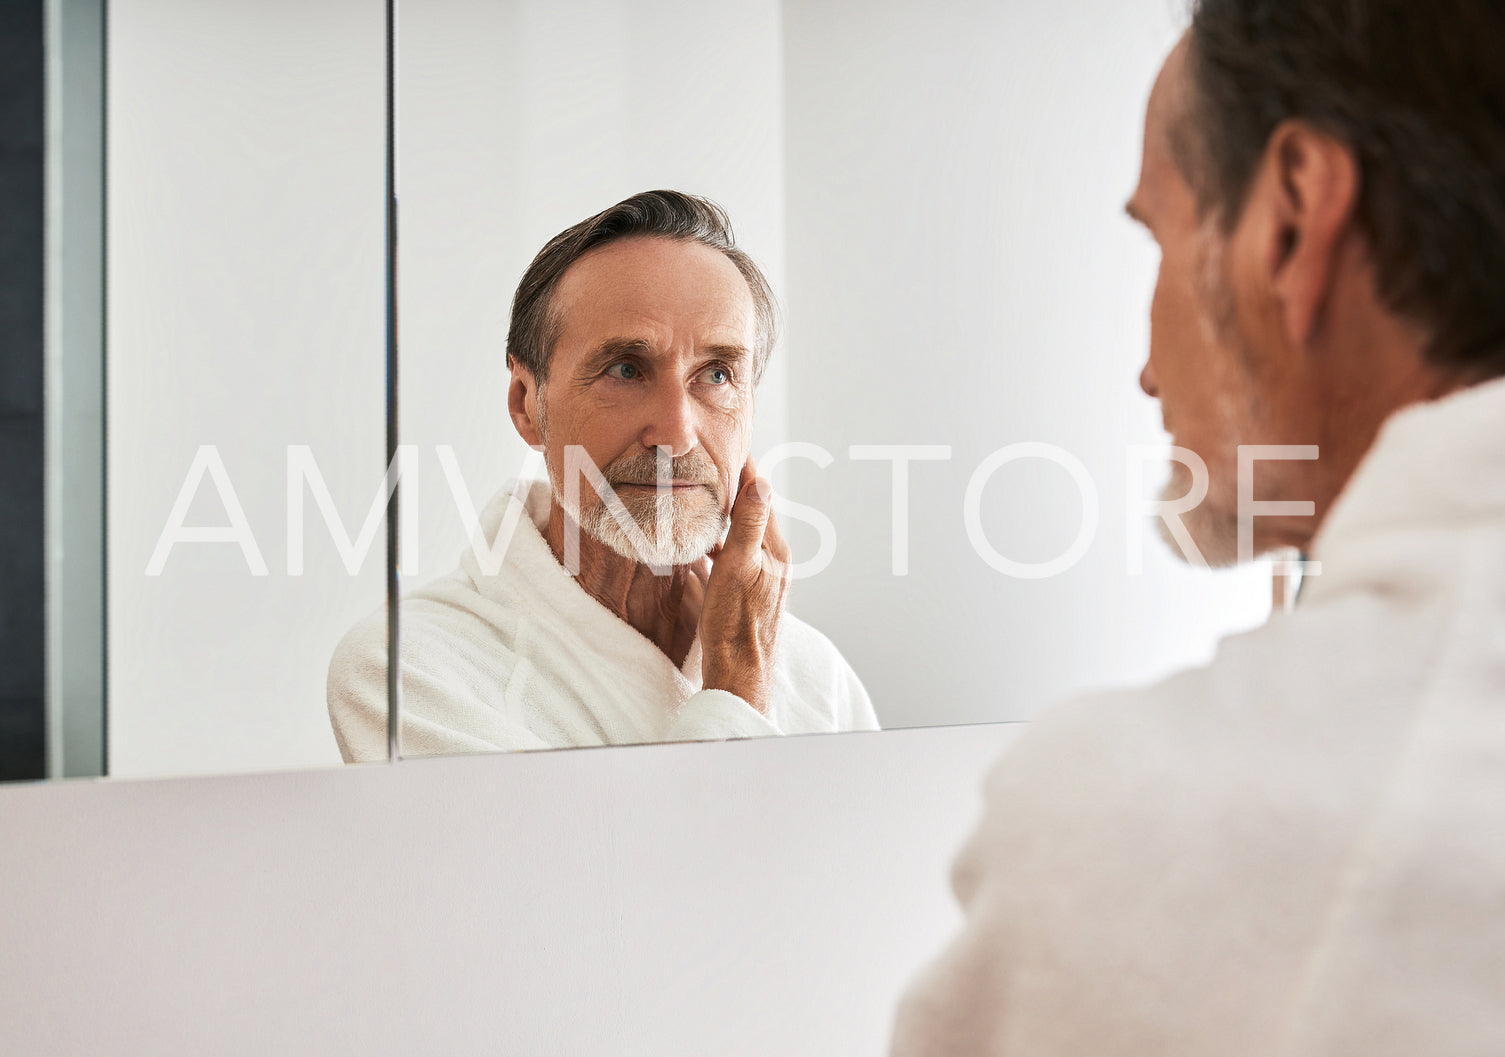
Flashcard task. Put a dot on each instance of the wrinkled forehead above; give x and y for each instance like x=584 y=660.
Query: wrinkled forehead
x=686 y=287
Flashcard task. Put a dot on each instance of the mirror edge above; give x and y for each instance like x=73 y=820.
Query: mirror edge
x=75 y=389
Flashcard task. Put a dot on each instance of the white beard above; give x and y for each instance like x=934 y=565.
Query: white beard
x=1212 y=530
x=694 y=525
x=1213 y=523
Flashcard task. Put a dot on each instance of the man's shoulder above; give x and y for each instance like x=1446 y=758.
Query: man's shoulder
x=360 y=657
x=1109 y=736
x=444 y=619
x=454 y=605
x=1304 y=708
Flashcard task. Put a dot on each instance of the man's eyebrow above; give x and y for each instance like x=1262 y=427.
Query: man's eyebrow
x=613 y=349
x=728 y=352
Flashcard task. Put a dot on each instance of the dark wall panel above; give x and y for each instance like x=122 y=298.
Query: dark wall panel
x=22 y=219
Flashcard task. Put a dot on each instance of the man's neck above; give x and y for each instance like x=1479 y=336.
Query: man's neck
x=1375 y=366
x=663 y=609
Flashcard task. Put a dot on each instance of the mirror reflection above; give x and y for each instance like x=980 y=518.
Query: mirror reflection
x=246 y=406
x=637 y=592
x=960 y=459
x=964 y=470
x=216 y=423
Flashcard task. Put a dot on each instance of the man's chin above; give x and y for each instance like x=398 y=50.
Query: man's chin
x=1208 y=535
x=691 y=540
x=675 y=555
x=1211 y=540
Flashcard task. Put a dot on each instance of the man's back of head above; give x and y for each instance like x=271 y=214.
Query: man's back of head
x=1417 y=92
x=1326 y=181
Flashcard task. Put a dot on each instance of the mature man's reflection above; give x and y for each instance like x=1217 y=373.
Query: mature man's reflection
x=613 y=612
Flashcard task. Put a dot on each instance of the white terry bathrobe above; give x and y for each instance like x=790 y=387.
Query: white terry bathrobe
x=524 y=658
x=1298 y=850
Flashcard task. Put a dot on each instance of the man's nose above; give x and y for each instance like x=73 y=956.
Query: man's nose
x=1147 y=382
x=673 y=422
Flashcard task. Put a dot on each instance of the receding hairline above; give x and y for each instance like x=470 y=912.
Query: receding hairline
x=1175 y=98
x=553 y=313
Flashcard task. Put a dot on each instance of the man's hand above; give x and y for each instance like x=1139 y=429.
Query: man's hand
x=744 y=597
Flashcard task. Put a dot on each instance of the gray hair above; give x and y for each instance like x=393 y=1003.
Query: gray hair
x=535 y=326
x=1416 y=92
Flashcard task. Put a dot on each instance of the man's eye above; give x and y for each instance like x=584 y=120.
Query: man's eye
x=626 y=372
x=715 y=376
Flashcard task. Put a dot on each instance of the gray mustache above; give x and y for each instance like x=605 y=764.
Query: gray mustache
x=643 y=468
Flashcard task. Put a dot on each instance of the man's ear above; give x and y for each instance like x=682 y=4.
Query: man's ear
x=522 y=404
x=1308 y=190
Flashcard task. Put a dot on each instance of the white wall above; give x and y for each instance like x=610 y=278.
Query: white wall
x=961 y=273
x=245 y=310
x=519 y=119
x=765 y=897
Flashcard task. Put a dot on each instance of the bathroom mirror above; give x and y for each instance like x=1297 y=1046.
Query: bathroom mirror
x=951 y=419
x=216 y=376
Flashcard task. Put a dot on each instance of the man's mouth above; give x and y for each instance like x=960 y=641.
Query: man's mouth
x=677 y=486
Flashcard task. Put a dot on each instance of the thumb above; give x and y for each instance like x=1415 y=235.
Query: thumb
x=744 y=541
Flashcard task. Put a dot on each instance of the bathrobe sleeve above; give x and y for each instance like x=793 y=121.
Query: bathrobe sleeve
x=814 y=691
x=713 y=715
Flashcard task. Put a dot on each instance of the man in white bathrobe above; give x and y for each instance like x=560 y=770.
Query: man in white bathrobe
x=601 y=607
x=1298 y=850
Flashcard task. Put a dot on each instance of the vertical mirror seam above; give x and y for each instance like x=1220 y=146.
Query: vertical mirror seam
x=394 y=506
